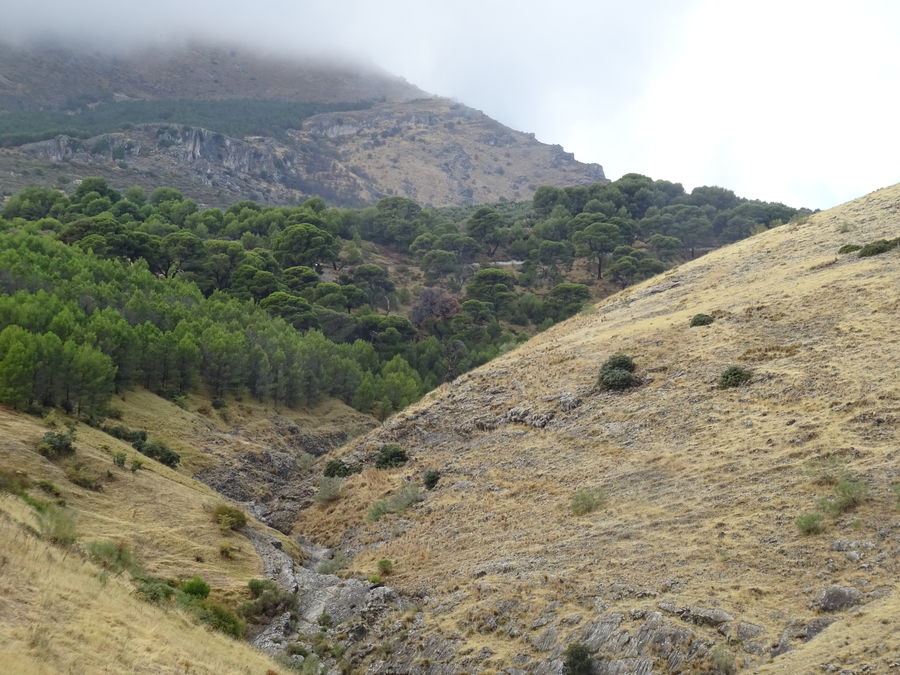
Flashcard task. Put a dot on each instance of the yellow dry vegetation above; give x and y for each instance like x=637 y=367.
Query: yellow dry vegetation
x=59 y=615
x=702 y=485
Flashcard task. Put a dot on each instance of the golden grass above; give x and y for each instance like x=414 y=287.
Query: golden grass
x=58 y=615
x=702 y=485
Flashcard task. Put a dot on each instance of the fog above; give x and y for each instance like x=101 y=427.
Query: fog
x=794 y=101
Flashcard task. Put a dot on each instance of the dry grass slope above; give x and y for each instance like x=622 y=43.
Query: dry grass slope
x=703 y=485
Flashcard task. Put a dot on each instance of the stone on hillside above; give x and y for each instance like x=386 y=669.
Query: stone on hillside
x=835 y=598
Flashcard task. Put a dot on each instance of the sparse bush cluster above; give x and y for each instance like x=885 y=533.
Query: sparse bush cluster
x=734 y=376
x=577 y=660
x=403 y=499
x=267 y=600
x=153 y=449
x=228 y=517
x=430 y=479
x=617 y=373
x=587 y=500
x=701 y=320
x=339 y=469
x=333 y=565
x=329 y=489
x=878 y=247
x=390 y=456
x=846 y=495
x=57 y=444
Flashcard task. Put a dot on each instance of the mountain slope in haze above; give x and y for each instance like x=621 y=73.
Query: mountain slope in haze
x=695 y=560
x=223 y=124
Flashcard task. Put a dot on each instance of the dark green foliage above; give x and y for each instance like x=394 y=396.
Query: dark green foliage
x=619 y=361
x=220 y=618
x=878 y=247
x=734 y=376
x=849 y=248
x=119 y=459
x=390 y=456
x=337 y=468
x=577 y=660
x=617 y=373
x=79 y=474
x=701 y=320
x=154 y=590
x=57 y=444
x=259 y=586
x=268 y=600
x=229 y=517
x=195 y=587
x=431 y=478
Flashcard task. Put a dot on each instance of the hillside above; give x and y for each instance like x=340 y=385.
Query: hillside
x=695 y=560
x=223 y=124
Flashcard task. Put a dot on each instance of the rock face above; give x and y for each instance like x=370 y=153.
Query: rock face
x=396 y=140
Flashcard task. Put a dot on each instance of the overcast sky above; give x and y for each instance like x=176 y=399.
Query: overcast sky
x=784 y=100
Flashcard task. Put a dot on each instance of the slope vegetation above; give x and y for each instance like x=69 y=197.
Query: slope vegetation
x=695 y=558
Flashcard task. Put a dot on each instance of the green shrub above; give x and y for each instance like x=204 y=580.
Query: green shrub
x=119 y=459
x=619 y=362
x=848 y=248
x=195 y=587
x=154 y=590
x=50 y=488
x=229 y=517
x=113 y=556
x=431 y=478
x=220 y=618
x=616 y=378
x=587 y=500
x=337 y=562
x=338 y=469
x=390 y=456
x=218 y=403
x=701 y=320
x=733 y=376
x=136 y=465
x=329 y=489
x=385 y=567
x=895 y=488
x=877 y=247
x=324 y=620
x=57 y=444
x=407 y=496
x=577 y=660
x=375 y=579
x=811 y=523
x=268 y=600
x=848 y=495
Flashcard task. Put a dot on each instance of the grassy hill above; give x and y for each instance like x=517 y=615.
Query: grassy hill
x=695 y=558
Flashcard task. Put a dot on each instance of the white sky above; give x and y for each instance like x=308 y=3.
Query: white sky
x=790 y=100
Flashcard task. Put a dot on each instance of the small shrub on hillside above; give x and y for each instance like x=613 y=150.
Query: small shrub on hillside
x=620 y=362
x=151 y=589
x=80 y=475
x=431 y=478
x=113 y=556
x=577 y=660
x=268 y=601
x=811 y=523
x=218 y=403
x=616 y=379
x=878 y=247
x=337 y=468
x=136 y=465
x=329 y=490
x=895 y=488
x=195 y=587
x=616 y=372
x=733 y=376
x=259 y=586
x=229 y=517
x=337 y=562
x=119 y=459
x=848 y=495
x=50 y=488
x=160 y=452
x=849 y=248
x=587 y=500
x=701 y=320
x=722 y=661
x=57 y=444
x=407 y=496
x=375 y=579
x=390 y=456
x=220 y=618
x=386 y=567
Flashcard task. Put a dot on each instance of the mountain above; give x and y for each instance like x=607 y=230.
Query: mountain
x=222 y=124
x=693 y=557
